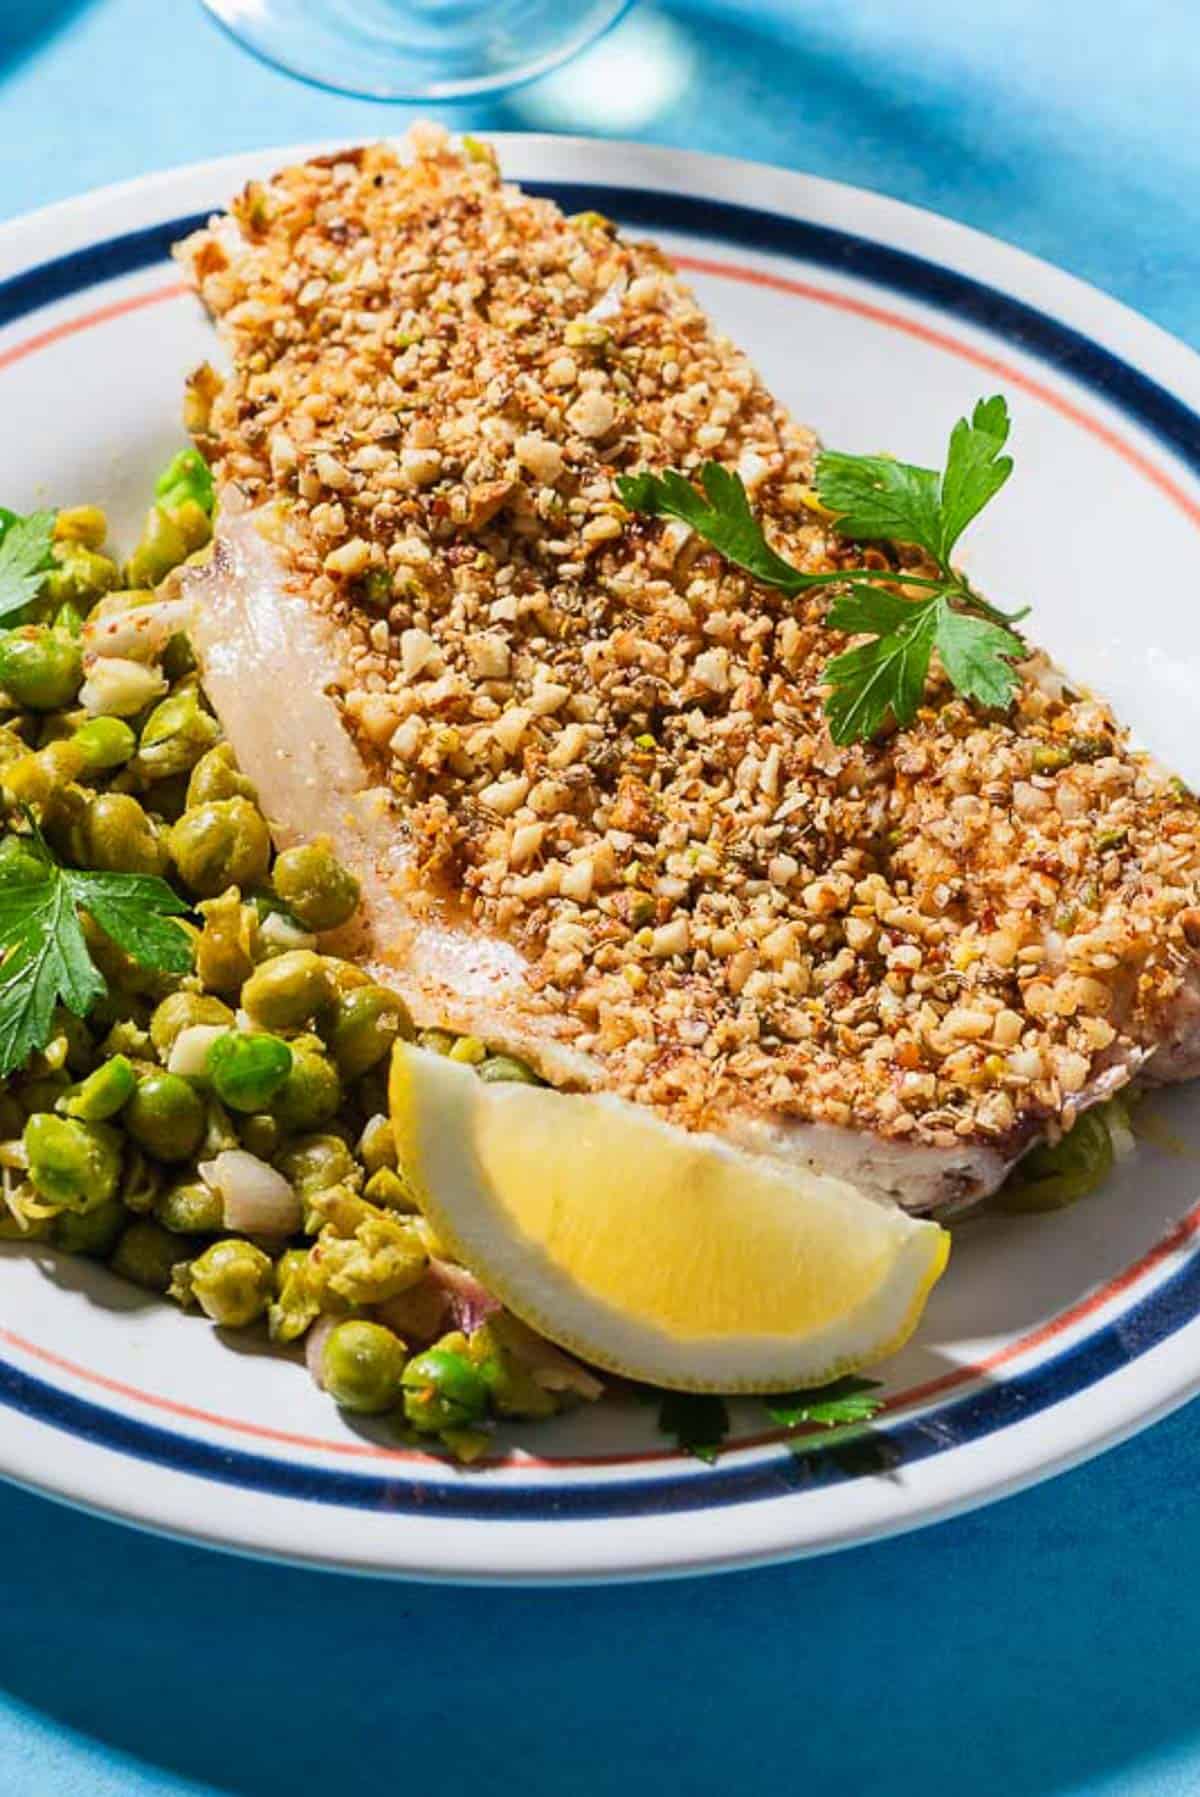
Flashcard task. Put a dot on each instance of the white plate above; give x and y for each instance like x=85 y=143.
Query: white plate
x=1052 y=1336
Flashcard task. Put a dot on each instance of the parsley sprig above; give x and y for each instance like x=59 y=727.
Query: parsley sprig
x=46 y=957
x=24 y=558
x=876 y=499
x=833 y=1415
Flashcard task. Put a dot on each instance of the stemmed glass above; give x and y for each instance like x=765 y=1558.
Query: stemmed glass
x=416 y=49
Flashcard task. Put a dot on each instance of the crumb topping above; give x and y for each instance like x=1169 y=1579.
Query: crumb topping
x=605 y=744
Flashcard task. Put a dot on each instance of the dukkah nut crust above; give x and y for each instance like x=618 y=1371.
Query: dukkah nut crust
x=606 y=745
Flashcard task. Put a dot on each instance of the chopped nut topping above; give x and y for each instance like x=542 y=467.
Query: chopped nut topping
x=608 y=742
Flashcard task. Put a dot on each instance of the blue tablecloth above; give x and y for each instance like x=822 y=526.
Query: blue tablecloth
x=1045 y=1645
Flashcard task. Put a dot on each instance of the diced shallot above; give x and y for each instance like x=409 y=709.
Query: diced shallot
x=257 y=1199
x=189 y=1051
x=546 y=1365
x=314 y=1348
x=140 y=633
x=117 y=687
x=471 y=1304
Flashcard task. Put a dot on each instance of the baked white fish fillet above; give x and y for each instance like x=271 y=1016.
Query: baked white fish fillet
x=580 y=762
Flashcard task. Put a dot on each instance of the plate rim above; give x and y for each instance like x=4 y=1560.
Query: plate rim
x=1116 y=327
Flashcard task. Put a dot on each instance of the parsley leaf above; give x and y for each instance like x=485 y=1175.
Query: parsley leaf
x=885 y=675
x=976 y=655
x=698 y=1421
x=722 y=516
x=877 y=498
x=46 y=958
x=843 y=1411
x=975 y=469
x=136 y=910
x=24 y=559
x=846 y=1402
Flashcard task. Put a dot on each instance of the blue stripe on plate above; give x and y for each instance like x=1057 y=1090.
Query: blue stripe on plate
x=480 y=1495
x=1032 y=331
x=994 y=1405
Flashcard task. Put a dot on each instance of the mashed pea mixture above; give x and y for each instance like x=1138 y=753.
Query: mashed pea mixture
x=200 y=1098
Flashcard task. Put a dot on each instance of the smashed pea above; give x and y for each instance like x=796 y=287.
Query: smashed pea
x=165 y=1116
x=362 y=1366
x=72 y=1163
x=264 y=1045
x=232 y=1282
x=247 y=1069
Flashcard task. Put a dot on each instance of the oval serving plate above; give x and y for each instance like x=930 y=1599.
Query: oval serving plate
x=1051 y=1337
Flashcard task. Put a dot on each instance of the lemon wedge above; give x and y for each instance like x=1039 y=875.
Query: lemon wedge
x=665 y=1256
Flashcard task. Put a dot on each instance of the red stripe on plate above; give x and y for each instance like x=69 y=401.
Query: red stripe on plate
x=87 y=320
x=895 y=321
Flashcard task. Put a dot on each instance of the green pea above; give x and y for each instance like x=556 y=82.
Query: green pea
x=442 y=1390
x=193 y=523
x=183 y=1011
x=80 y=574
x=40 y=669
x=127 y=1035
x=315 y=886
x=189 y=1207
x=20 y=861
x=41 y=778
x=260 y=1134
x=175 y=735
x=227 y=947
x=104 y=743
x=84 y=524
x=72 y=1163
x=223 y=843
x=297 y=1301
x=506 y=1067
x=161 y=547
x=291 y=1262
x=362 y=1366
x=232 y=1282
x=103 y=1092
x=316 y=1163
x=187 y=477
x=288 y=991
x=367 y=1022
x=310 y=1095
x=165 y=1116
x=92 y=1232
x=147 y=1254
x=215 y=776
x=377 y=1144
x=118 y=837
x=387 y=1189
x=248 y=1070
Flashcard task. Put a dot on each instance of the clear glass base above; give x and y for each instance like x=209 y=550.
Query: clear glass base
x=416 y=49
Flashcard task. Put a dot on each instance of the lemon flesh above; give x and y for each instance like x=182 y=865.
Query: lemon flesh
x=662 y=1255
